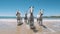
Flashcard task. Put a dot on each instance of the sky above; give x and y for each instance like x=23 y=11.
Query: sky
x=9 y=7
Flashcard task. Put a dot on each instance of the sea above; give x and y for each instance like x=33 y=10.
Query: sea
x=14 y=17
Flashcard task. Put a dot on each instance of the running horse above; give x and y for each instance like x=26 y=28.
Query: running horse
x=40 y=18
x=19 y=19
x=31 y=18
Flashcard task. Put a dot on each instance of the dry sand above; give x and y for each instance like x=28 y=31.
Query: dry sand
x=9 y=26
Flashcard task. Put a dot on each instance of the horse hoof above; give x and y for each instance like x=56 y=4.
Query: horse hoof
x=20 y=24
x=35 y=30
x=33 y=27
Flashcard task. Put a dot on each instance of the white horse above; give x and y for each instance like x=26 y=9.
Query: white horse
x=19 y=19
x=31 y=19
x=39 y=17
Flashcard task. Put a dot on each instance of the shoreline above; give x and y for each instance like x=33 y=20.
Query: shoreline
x=34 y=20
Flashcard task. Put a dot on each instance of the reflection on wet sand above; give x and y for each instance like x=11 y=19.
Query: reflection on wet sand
x=23 y=30
x=18 y=30
x=10 y=27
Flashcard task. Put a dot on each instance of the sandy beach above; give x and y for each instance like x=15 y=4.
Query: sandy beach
x=9 y=26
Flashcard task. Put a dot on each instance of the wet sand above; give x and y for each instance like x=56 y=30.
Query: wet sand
x=9 y=26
